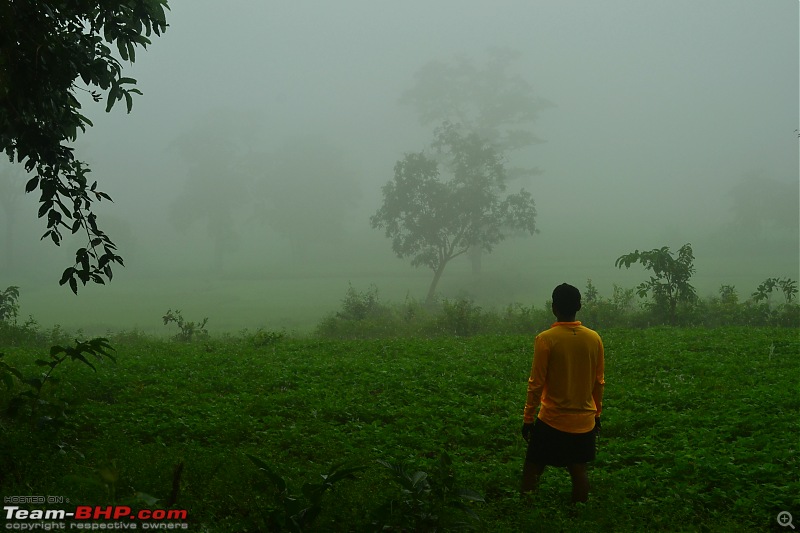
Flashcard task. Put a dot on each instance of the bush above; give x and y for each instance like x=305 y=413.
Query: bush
x=361 y=316
x=189 y=330
x=9 y=304
x=364 y=316
x=263 y=338
x=460 y=317
x=602 y=313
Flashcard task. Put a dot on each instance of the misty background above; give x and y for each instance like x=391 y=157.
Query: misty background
x=245 y=176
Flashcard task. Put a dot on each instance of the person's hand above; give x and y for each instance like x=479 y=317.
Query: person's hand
x=526 y=431
x=597 y=425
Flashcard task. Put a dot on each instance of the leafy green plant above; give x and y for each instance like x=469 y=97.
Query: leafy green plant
x=600 y=312
x=787 y=286
x=55 y=45
x=361 y=315
x=425 y=503
x=51 y=413
x=668 y=383
x=669 y=285
x=8 y=373
x=760 y=310
x=267 y=338
x=360 y=305
x=296 y=512
x=9 y=304
x=189 y=330
x=460 y=317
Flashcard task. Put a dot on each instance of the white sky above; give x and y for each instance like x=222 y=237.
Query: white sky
x=659 y=107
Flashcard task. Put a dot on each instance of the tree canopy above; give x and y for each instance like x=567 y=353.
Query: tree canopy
x=488 y=98
x=433 y=218
x=48 y=52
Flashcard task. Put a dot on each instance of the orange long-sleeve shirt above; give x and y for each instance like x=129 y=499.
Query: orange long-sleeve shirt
x=566 y=378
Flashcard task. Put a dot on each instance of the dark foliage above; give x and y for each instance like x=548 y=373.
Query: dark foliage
x=48 y=52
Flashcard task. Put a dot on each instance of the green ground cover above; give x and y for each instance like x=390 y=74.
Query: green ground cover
x=701 y=431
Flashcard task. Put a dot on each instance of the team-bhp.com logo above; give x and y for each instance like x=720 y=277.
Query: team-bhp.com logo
x=87 y=517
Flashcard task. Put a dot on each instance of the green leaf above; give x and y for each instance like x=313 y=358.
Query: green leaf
x=80 y=357
x=113 y=96
x=123 y=50
x=35 y=383
x=10 y=369
x=150 y=501
x=44 y=208
x=55 y=350
x=279 y=482
x=465 y=508
x=32 y=184
x=471 y=495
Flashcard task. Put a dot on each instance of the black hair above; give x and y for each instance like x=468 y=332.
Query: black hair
x=567 y=299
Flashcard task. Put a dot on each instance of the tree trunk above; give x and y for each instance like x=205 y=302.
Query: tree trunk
x=432 y=289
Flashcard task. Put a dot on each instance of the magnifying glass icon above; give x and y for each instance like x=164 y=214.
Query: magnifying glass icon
x=785 y=519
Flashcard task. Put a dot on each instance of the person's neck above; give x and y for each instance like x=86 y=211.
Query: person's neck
x=566 y=318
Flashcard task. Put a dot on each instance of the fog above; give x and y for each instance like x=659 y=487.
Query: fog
x=244 y=178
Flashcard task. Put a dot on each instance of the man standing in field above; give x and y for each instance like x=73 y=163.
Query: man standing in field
x=567 y=381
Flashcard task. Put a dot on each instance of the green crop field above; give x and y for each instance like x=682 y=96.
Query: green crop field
x=701 y=432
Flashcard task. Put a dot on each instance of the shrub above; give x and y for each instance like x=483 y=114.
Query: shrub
x=361 y=305
x=297 y=511
x=460 y=317
x=267 y=338
x=9 y=304
x=426 y=503
x=188 y=329
x=361 y=316
x=41 y=411
x=618 y=311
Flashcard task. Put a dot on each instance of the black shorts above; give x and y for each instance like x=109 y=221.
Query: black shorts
x=549 y=446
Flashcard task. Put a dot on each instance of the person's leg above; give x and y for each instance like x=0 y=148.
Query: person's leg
x=530 y=476
x=580 y=482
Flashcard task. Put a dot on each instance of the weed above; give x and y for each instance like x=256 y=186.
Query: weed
x=424 y=503
x=267 y=338
x=9 y=304
x=297 y=511
x=189 y=330
x=41 y=412
x=460 y=317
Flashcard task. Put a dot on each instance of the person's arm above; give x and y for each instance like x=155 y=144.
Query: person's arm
x=599 y=382
x=541 y=355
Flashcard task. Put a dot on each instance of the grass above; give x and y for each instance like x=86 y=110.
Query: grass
x=700 y=429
